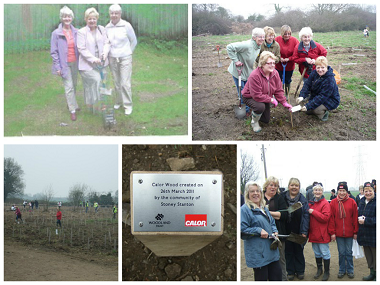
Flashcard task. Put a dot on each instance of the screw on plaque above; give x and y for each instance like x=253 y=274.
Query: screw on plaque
x=214 y=181
x=141 y=224
x=213 y=224
x=140 y=181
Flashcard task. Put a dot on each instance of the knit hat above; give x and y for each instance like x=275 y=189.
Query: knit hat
x=368 y=184
x=342 y=185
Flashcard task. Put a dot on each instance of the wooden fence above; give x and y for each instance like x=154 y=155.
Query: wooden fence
x=28 y=27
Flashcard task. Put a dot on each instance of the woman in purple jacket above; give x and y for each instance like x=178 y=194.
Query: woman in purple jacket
x=63 y=50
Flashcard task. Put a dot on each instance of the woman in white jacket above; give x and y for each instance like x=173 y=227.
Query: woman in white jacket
x=93 y=47
x=123 y=42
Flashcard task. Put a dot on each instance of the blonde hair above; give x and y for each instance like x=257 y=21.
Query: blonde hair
x=66 y=11
x=305 y=32
x=248 y=202
x=90 y=11
x=294 y=181
x=321 y=60
x=269 y=31
x=264 y=57
x=284 y=29
x=271 y=179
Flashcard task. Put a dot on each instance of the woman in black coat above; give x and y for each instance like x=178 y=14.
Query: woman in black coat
x=275 y=203
x=367 y=228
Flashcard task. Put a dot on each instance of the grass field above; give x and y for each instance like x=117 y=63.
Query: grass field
x=34 y=101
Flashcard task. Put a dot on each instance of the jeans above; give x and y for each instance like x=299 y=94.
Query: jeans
x=321 y=250
x=346 y=261
x=236 y=80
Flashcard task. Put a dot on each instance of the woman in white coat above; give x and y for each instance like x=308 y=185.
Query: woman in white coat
x=93 y=47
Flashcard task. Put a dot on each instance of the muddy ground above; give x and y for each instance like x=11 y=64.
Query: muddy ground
x=33 y=250
x=360 y=266
x=29 y=263
x=214 y=95
x=216 y=261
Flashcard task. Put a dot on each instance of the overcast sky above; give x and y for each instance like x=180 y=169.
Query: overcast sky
x=326 y=162
x=247 y=8
x=62 y=166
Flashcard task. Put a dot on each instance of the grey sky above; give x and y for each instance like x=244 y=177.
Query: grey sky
x=62 y=166
x=326 y=162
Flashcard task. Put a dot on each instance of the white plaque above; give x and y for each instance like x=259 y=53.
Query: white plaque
x=176 y=201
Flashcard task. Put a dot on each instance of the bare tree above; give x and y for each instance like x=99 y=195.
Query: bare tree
x=77 y=193
x=249 y=169
x=47 y=195
x=13 y=178
x=334 y=8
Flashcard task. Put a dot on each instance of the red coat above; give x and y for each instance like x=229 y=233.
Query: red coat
x=319 y=221
x=260 y=89
x=300 y=54
x=345 y=227
x=286 y=50
x=59 y=215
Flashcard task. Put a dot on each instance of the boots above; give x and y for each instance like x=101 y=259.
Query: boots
x=326 y=275
x=255 y=122
x=371 y=276
x=319 y=267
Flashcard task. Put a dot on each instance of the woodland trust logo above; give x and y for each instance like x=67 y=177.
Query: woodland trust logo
x=196 y=220
x=159 y=217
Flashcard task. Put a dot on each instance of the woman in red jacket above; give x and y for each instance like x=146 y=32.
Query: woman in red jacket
x=287 y=45
x=262 y=88
x=319 y=210
x=343 y=227
x=307 y=52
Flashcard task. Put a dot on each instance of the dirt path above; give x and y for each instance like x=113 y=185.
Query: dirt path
x=360 y=266
x=23 y=263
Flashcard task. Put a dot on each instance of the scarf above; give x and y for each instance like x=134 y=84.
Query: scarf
x=342 y=212
x=269 y=45
x=291 y=201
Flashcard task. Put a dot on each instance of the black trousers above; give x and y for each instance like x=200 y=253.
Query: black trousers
x=259 y=108
x=271 y=272
x=295 y=260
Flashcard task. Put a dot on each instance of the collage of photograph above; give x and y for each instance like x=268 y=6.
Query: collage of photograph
x=177 y=115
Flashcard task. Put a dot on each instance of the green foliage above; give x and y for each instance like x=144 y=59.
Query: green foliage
x=28 y=27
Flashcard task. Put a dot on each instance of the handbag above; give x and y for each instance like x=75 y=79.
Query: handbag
x=357 y=251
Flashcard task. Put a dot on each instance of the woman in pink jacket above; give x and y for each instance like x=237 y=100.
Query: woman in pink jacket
x=93 y=47
x=319 y=210
x=262 y=88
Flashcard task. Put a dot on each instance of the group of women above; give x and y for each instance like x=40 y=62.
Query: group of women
x=90 y=50
x=275 y=59
x=265 y=216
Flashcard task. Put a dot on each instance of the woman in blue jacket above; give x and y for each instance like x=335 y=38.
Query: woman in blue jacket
x=323 y=91
x=257 y=225
x=367 y=228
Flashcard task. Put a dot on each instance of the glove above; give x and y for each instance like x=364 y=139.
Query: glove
x=274 y=102
x=299 y=100
x=238 y=63
x=288 y=106
x=303 y=109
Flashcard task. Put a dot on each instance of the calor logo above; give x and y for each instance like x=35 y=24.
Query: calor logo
x=196 y=220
